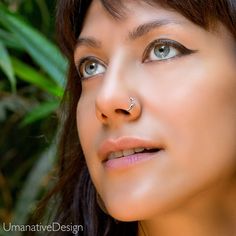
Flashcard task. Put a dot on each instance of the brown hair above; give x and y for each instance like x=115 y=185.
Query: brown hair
x=77 y=202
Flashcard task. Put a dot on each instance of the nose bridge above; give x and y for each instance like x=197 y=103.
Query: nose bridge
x=115 y=82
x=114 y=96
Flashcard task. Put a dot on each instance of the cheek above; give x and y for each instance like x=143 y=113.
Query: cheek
x=196 y=107
x=88 y=126
x=200 y=115
x=83 y=128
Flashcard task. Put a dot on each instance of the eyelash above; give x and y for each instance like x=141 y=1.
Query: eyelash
x=145 y=58
x=83 y=62
x=166 y=42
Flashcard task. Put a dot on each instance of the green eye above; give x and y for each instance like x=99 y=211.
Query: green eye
x=90 y=67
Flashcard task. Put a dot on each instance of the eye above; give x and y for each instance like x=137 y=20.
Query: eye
x=89 y=67
x=163 y=52
x=164 y=49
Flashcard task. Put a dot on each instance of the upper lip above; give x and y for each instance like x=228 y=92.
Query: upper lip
x=123 y=143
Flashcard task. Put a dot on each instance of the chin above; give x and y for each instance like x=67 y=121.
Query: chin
x=131 y=211
x=125 y=216
x=143 y=209
x=124 y=212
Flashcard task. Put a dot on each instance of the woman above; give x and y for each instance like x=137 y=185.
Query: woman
x=152 y=97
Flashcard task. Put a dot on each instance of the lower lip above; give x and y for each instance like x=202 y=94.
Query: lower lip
x=128 y=161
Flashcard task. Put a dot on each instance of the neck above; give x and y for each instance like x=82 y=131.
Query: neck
x=212 y=212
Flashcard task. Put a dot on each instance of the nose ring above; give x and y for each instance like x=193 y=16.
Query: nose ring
x=132 y=104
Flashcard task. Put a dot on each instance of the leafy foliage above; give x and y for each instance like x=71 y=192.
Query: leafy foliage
x=32 y=74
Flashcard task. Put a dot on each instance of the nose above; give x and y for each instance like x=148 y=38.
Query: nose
x=117 y=102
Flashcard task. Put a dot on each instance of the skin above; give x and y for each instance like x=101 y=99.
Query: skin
x=186 y=104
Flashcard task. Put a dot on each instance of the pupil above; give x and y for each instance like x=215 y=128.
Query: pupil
x=91 y=68
x=162 y=51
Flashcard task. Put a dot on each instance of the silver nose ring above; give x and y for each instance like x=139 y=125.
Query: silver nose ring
x=132 y=104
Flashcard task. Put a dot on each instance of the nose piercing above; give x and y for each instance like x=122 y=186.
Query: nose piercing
x=132 y=104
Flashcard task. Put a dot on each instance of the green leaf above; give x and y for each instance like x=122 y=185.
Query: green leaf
x=32 y=186
x=6 y=66
x=9 y=40
x=45 y=53
x=29 y=74
x=39 y=112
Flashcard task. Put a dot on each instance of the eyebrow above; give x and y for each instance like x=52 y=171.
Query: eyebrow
x=138 y=32
x=89 y=42
x=149 y=26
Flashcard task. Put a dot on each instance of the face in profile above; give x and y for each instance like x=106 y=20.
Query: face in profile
x=178 y=140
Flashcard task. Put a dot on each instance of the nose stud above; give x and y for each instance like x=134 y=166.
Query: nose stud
x=132 y=104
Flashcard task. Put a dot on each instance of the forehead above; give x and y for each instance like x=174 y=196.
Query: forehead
x=134 y=13
x=106 y=30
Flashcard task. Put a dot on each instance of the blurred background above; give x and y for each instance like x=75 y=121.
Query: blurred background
x=32 y=75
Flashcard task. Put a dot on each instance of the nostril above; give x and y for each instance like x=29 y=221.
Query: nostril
x=121 y=111
x=104 y=116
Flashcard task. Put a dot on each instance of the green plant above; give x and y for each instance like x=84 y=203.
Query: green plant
x=32 y=73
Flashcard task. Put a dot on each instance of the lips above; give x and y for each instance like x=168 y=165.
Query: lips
x=126 y=146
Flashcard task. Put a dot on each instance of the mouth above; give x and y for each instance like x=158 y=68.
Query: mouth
x=130 y=152
x=128 y=149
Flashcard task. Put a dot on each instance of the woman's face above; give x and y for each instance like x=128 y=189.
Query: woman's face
x=183 y=80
